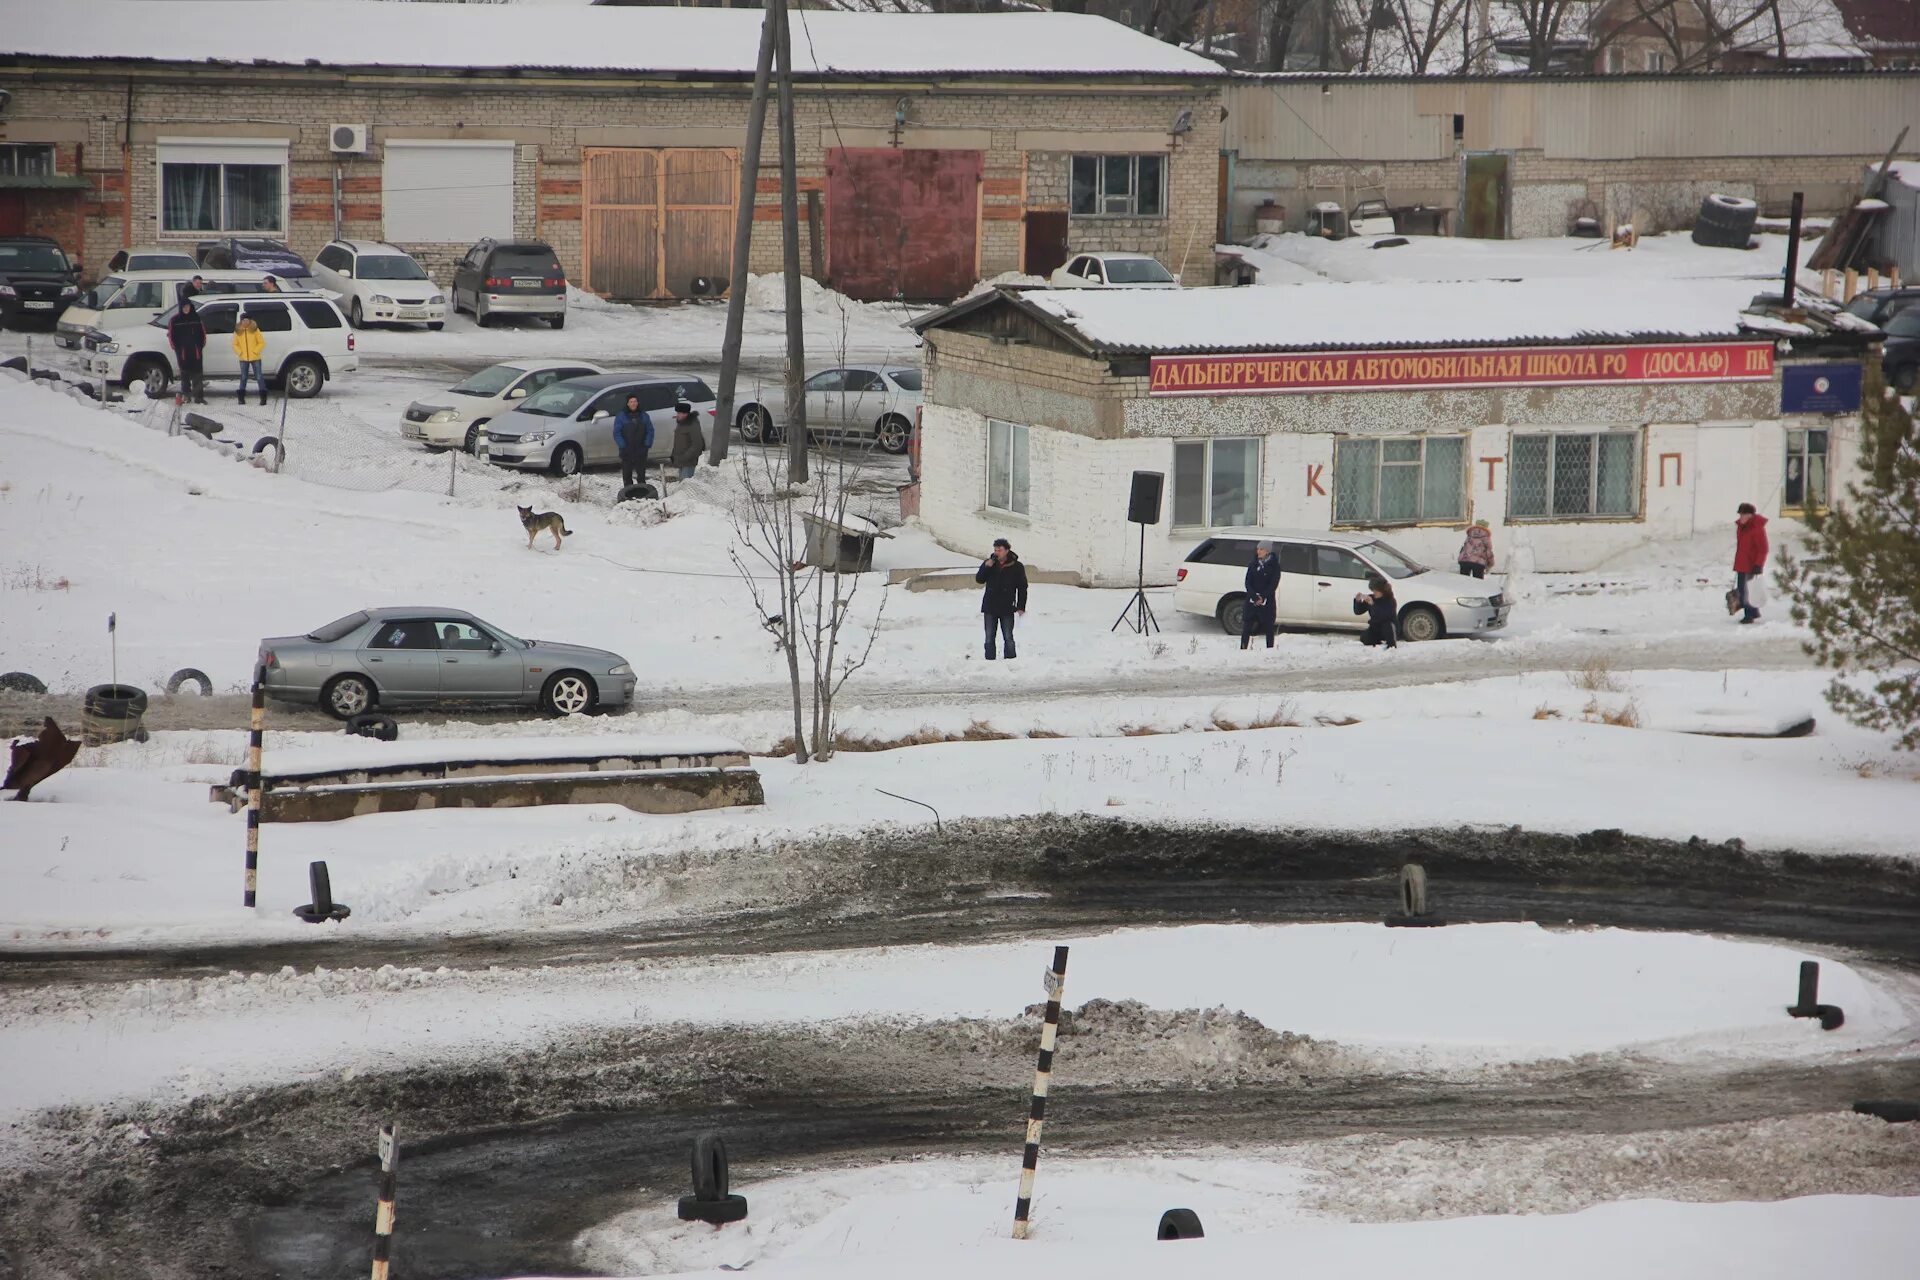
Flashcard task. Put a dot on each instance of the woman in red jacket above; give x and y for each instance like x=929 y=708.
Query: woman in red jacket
x=1749 y=555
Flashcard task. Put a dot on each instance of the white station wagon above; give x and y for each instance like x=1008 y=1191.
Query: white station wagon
x=1320 y=573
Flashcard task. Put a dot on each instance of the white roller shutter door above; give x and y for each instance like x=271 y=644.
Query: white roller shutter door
x=447 y=192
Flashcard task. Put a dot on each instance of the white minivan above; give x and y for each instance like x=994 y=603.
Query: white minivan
x=1320 y=573
x=308 y=342
x=128 y=298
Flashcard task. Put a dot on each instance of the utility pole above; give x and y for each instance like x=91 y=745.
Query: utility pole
x=796 y=416
x=742 y=243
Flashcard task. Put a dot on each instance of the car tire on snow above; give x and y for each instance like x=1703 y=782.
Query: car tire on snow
x=371 y=724
x=1420 y=623
x=1180 y=1224
x=709 y=1167
x=21 y=682
x=716 y=1212
x=1232 y=614
x=193 y=676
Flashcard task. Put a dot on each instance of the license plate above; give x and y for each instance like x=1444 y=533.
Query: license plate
x=412 y=432
x=413 y=315
x=38 y=306
x=527 y=282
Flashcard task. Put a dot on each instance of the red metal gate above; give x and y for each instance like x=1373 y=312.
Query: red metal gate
x=13 y=213
x=902 y=224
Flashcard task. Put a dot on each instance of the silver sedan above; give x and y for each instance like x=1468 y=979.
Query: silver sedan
x=876 y=401
x=413 y=656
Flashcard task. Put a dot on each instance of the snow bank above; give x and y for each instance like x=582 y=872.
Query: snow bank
x=1290 y=257
x=350 y=752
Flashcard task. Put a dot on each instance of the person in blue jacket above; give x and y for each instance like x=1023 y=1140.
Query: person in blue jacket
x=633 y=437
x=1263 y=586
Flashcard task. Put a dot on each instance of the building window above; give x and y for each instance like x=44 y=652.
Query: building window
x=1216 y=483
x=1119 y=186
x=1656 y=61
x=1806 y=478
x=1612 y=62
x=1574 y=477
x=1401 y=481
x=1008 y=480
x=220 y=188
x=26 y=160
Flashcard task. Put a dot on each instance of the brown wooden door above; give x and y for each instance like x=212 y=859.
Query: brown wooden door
x=13 y=213
x=1485 y=215
x=902 y=224
x=656 y=218
x=1046 y=247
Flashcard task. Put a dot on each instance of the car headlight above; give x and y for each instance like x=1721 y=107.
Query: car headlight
x=382 y=300
x=442 y=415
x=624 y=669
x=109 y=348
x=437 y=300
x=1472 y=602
x=6 y=291
x=538 y=437
x=69 y=290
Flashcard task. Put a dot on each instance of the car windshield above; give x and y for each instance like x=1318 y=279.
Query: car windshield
x=101 y=295
x=1904 y=325
x=31 y=257
x=387 y=267
x=1389 y=561
x=524 y=262
x=490 y=381
x=561 y=400
x=1136 y=271
x=161 y=262
x=338 y=629
x=905 y=379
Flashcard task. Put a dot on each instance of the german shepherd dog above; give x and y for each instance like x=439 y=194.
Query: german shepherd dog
x=536 y=522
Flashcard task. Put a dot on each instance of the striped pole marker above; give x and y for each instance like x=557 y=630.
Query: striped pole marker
x=383 y=1216
x=1056 y=983
x=256 y=730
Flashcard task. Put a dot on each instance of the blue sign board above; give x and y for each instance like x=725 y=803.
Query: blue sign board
x=1820 y=388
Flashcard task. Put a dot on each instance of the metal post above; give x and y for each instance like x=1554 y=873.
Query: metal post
x=1793 y=251
x=256 y=730
x=742 y=243
x=383 y=1216
x=1036 y=1117
x=796 y=419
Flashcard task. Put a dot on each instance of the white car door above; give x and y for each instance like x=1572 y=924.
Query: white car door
x=863 y=399
x=276 y=326
x=825 y=400
x=219 y=361
x=1338 y=576
x=1294 y=600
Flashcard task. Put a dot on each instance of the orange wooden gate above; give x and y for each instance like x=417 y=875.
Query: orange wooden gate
x=656 y=219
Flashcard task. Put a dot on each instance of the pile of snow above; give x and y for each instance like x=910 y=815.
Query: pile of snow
x=769 y=293
x=1293 y=258
x=1011 y=279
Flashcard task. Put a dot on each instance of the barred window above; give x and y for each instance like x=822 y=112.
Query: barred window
x=1119 y=186
x=1399 y=481
x=1574 y=477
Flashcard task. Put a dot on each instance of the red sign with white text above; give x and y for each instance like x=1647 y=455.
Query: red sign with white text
x=1477 y=367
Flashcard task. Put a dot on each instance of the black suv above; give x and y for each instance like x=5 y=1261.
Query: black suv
x=37 y=279
x=1877 y=306
x=511 y=278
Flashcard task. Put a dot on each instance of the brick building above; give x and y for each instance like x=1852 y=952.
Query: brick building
x=933 y=150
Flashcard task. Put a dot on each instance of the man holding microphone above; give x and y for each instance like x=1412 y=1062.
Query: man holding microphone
x=1005 y=579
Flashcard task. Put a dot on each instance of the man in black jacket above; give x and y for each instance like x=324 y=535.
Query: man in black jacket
x=187 y=332
x=1263 y=584
x=1005 y=595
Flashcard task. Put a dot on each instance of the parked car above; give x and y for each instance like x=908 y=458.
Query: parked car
x=1319 y=576
x=1900 y=353
x=454 y=417
x=511 y=278
x=148 y=257
x=569 y=425
x=1877 y=306
x=307 y=337
x=237 y=253
x=37 y=279
x=877 y=401
x=413 y=655
x=380 y=283
x=131 y=298
x=1112 y=271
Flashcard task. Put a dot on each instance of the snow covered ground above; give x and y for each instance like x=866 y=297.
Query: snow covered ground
x=1293 y=258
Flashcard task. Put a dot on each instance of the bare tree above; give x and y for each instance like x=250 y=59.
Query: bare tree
x=1547 y=26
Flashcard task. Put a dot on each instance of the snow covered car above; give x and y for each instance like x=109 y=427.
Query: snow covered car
x=380 y=284
x=453 y=418
x=1112 y=271
x=412 y=655
x=569 y=425
x=854 y=400
x=1320 y=573
x=239 y=253
x=308 y=342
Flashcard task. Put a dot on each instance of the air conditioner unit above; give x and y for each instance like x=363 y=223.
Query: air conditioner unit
x=347 y=139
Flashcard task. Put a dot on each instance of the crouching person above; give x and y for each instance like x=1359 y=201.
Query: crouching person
x=1380 y=609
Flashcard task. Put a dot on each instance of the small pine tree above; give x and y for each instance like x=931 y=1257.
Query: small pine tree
x=1857 y=588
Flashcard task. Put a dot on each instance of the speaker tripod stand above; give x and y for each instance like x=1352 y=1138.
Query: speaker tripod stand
x=1138 y=614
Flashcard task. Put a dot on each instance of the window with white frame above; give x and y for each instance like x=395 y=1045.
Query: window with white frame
x=26 y=159
x=1216 y=483
x=1574 y=476
x=218 y=187
x=1806 y=476
x=1119 y=186
x=1402 y=480
x=1656 y=60
x=1008 y=483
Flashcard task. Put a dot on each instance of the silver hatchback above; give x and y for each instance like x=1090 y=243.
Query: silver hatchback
x=413 y=656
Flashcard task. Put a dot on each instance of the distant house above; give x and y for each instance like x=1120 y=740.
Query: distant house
x=1637 y=37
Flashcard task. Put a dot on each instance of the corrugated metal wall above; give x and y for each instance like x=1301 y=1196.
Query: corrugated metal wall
x=1600 y=119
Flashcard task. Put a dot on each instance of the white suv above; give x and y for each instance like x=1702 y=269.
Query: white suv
x=1320 y=573
x=308 y=342
x=379 y=284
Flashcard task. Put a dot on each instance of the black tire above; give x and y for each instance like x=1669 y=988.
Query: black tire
x=190 y=675
x=893 y=434
x=472 y=444
x=345 y=697
x=481 y=318
x=152 y=372
x=754 y=424
x=709 y=1167
x=1232 y=614
x=633 y=491
x=116 y=702
x=1832 y=1016
x=1893 y=1112
x=435 y=326
x=371 y=724
x=354 y=316
x=560 y=321
x=302 y=377
x=1180 y=1224
x=1420 y=622
x=271 y=445
x=569 y=693
x=1413 y=889
x=567 y=460
x=21 y=682
x=716 y=1212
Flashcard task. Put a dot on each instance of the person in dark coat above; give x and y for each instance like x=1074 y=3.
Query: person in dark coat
x=1377 y=604
x=687 y=441
x=633 y=437
x=1005 y=579
x=1263 y=586
x=187 y=333
x=1749 y=556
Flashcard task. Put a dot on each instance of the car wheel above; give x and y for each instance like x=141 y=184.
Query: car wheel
x=472 y=444
x=1421 y=623
x=567 y=459
x=1232 y=614
x=354 y=316
x=436 y=325
x=151 y=372
x=347 y=696
x=893 y=434
x=560 y=321
x=302 y=378
x=481 y=316
x=754 y=424
x=570 y=693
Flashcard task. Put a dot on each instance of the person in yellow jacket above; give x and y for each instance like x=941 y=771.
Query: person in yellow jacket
x=249 y=344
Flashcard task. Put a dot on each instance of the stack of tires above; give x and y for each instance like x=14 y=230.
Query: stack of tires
x=1725 y=222
x=113 y=713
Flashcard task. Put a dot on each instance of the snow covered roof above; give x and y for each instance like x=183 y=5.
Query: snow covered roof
x=720 y=42
x=1395 y=314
